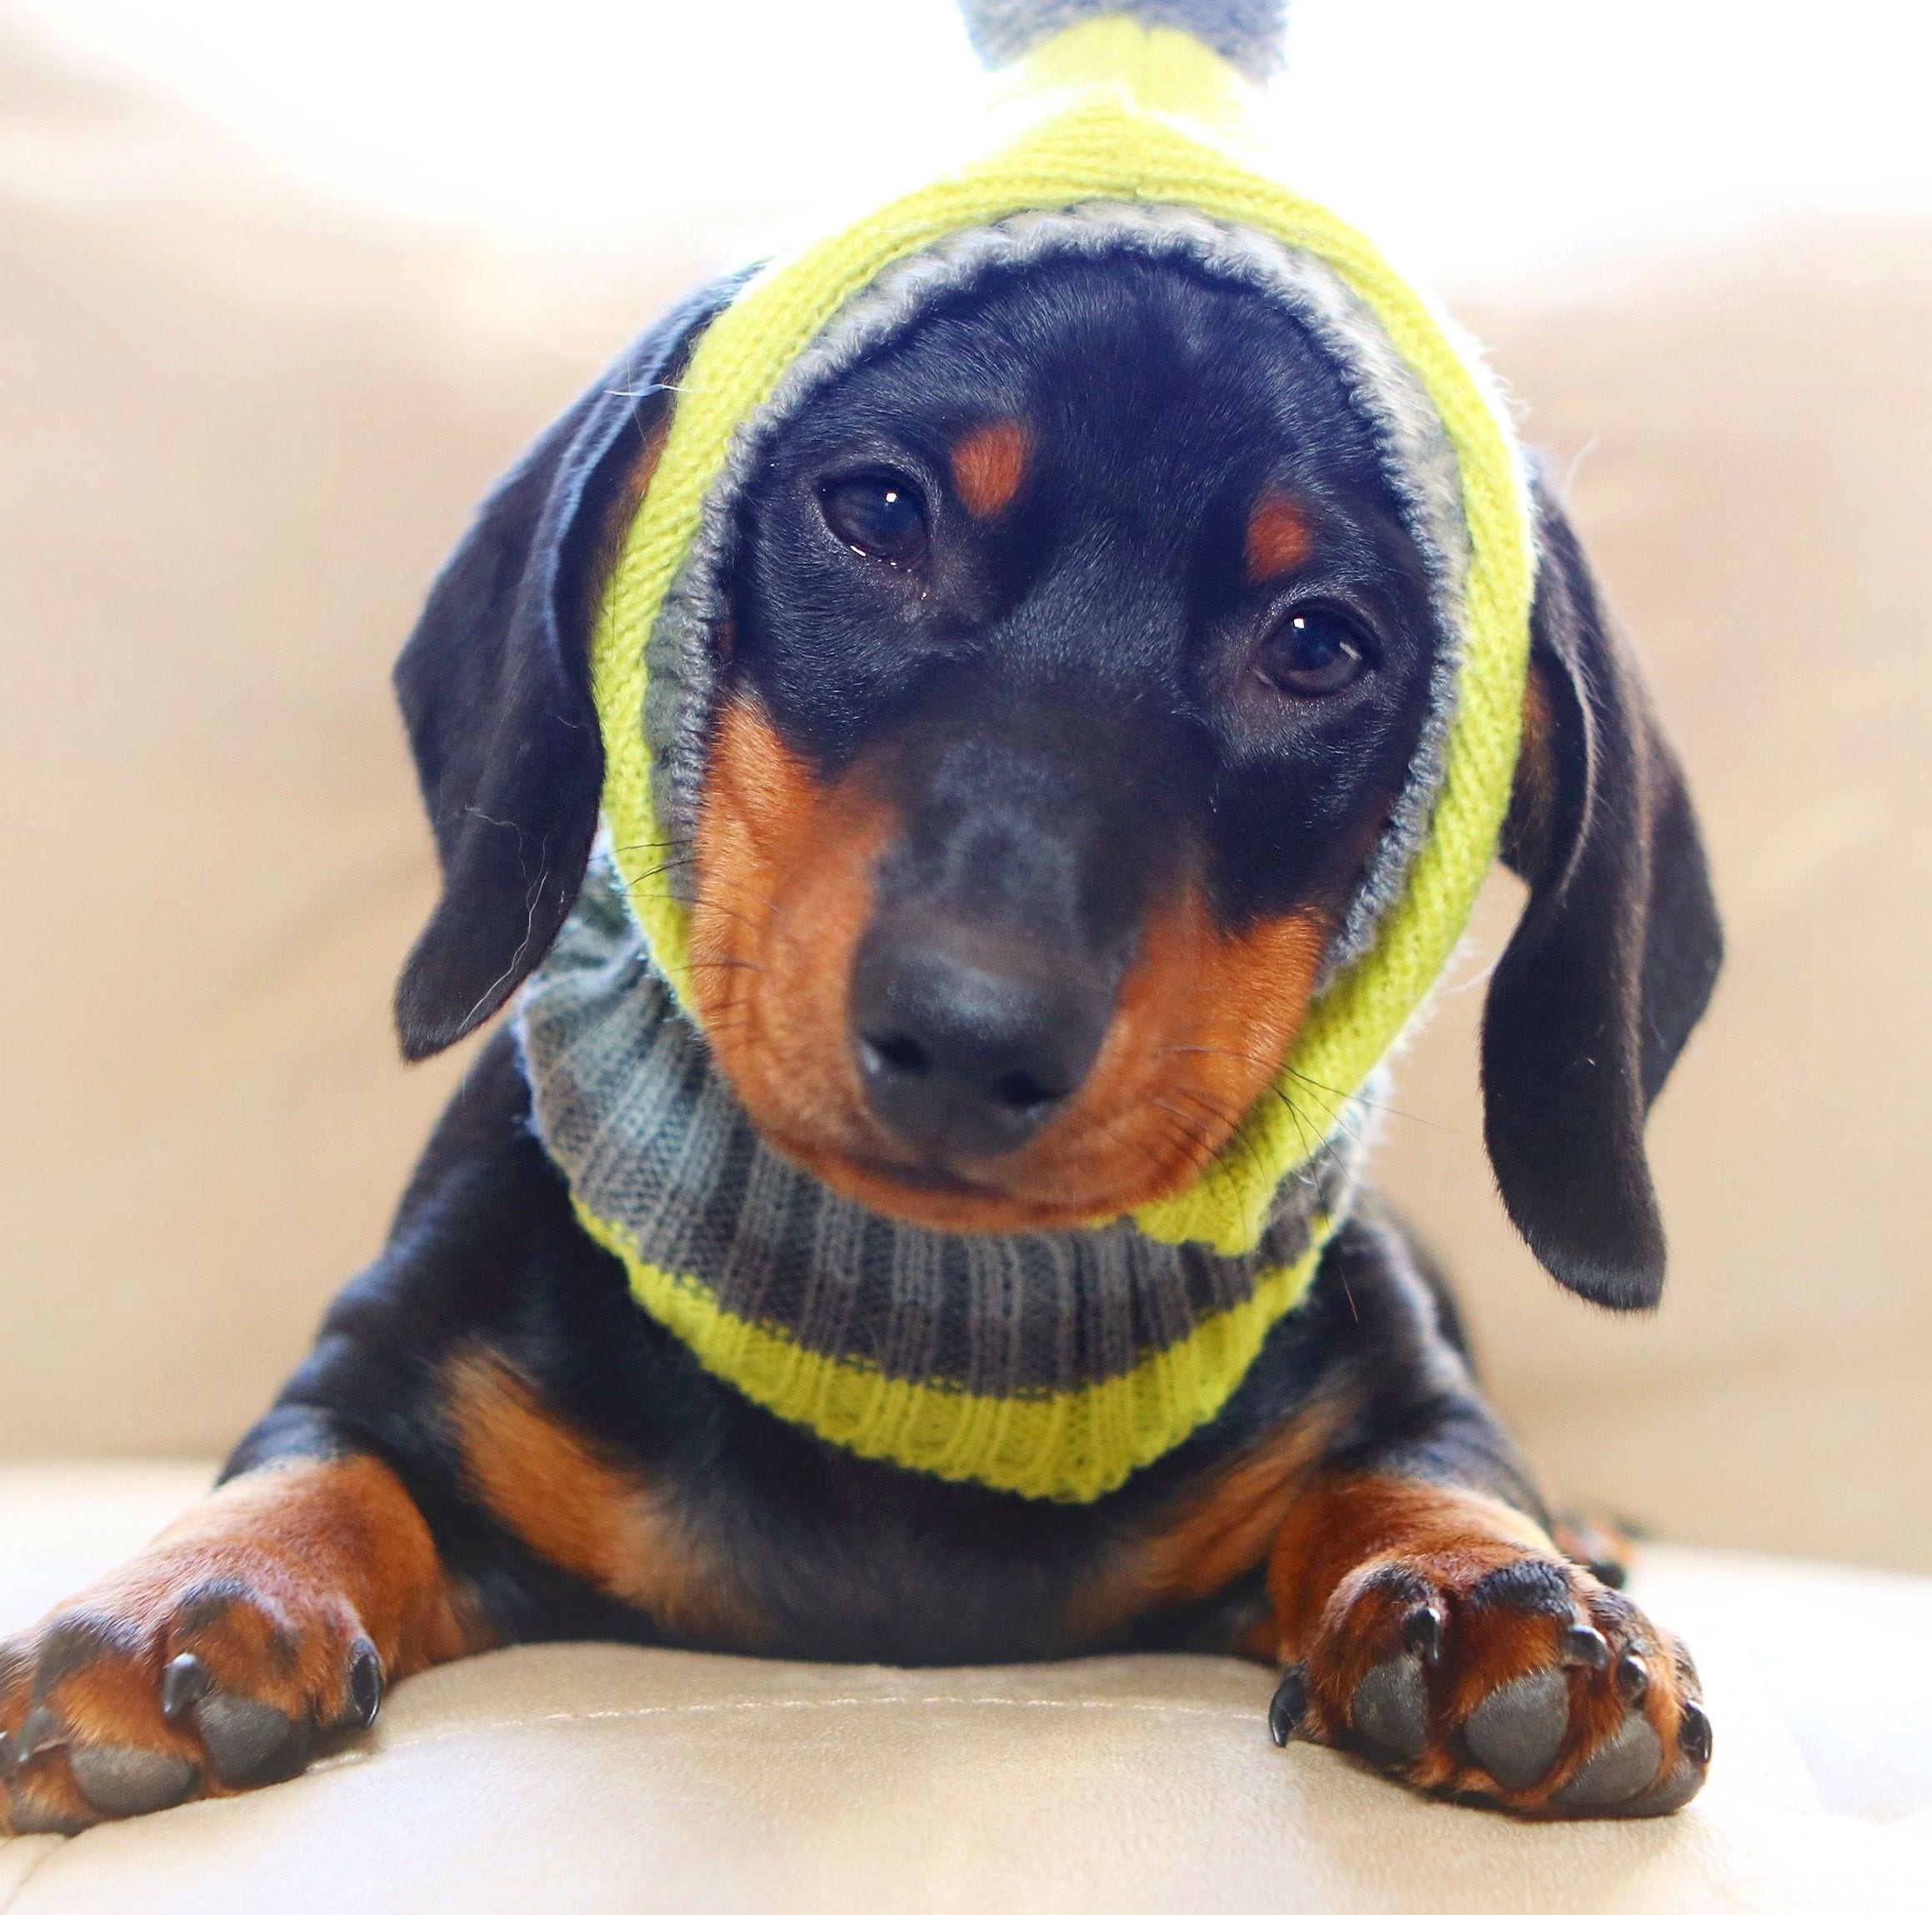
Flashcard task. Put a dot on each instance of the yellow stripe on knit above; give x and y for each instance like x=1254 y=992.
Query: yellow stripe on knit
x=1063 y=1446
x=1156 y=69
x=1120 y=101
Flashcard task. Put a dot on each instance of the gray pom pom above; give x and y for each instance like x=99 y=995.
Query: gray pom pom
x=1247 y=34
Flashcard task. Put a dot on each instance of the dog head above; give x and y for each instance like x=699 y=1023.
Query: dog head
x=1076 y=657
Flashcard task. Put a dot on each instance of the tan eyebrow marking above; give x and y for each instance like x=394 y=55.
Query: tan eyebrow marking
x=1278 y=538
x=988 y=464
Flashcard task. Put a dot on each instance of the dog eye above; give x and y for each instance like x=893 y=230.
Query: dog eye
x=1315 y=652
x=879 y=515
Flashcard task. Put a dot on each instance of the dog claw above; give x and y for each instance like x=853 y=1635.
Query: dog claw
x=1288 y=1705
x=184 y=1683
x=248 y=1741
x=40 y=1731
x=1633 y=1677
x=1422 y=1633
x=1694 y=1734
x=1391 y=1709
x=119 y=1780
x=365 y=1685
x=1584 y=1649
x=1620 y=1768
x=1515 y=1731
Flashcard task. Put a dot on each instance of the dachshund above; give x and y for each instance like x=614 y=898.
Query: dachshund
x=1101 y=541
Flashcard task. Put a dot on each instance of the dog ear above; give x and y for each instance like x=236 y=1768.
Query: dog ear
x=495 y=689
x=1615 y=958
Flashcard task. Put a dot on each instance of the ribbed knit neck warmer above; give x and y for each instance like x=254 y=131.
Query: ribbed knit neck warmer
x=1048 y=1364
x=1051 y=1363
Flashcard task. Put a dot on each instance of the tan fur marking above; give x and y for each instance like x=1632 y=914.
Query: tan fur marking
x=988 y=465
x=547 y=1483
x=1217 y=1533
x=345 y=1529
x=1346 y=1523
x=1278 y=538
x=1533 y=791
x=629 y=499
x=783 y=893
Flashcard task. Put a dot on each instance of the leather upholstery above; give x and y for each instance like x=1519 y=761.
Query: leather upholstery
x=592 y=1778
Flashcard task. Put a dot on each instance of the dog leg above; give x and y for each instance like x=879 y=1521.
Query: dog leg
x=272 y=1614
x=1437 y=1632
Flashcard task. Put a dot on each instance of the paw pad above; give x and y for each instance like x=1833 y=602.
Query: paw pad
x=1516 y=1730
x=119 y=1779
x=249 y=1741
x=1390 y=1710
x=1617 y=1770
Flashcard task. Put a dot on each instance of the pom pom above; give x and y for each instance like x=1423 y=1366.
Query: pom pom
x=1248 y=34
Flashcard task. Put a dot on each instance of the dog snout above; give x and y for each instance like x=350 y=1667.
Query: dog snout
x=970 y=1038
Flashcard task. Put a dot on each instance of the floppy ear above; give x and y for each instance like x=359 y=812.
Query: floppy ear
x=1614 y=960
x=495 y=689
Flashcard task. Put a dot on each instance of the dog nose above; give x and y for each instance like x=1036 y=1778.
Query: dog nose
x=970 y=1039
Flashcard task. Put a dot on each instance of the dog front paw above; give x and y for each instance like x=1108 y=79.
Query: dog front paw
x=1503 y=1677
x=201 y=1668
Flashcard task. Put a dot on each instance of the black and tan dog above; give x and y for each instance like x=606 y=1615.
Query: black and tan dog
x=1103 y=541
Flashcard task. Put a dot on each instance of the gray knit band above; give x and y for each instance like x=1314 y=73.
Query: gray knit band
x=632 y=1109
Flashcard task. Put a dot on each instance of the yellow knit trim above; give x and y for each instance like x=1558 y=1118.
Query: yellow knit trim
x=1101 y=143
x=1063 y=1446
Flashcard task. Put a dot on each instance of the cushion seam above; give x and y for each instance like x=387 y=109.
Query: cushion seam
x=799 y=1704
x=58 y=1846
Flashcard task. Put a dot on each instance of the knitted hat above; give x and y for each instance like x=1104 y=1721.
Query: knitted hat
x=1128 y=129
x=1051 y=1364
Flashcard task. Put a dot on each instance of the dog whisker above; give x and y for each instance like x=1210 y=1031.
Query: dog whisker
x=1375 y=1104
x=1342 y=1099
x=1198 y=1133
x=657 y=871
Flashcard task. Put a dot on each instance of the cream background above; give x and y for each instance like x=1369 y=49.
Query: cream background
x=240 y=434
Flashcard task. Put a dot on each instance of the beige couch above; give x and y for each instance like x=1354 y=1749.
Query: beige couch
x=649 y=1782
x=240 y=433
